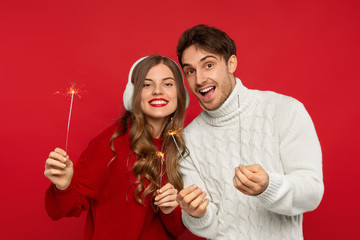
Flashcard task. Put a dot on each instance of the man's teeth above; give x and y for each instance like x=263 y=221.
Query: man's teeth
x=206 y=90
x=158 y=102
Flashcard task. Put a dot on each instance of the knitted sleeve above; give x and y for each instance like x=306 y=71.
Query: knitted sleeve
x=173 y=222
x=300 y=188
x=206 y=226
x=88 y=176
x=69 y=202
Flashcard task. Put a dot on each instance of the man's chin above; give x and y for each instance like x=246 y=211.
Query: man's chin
x=209 y=106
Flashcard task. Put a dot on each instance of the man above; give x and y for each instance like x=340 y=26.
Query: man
x=255 y=163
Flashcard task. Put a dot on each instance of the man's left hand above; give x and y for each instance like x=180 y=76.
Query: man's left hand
x=251 y=180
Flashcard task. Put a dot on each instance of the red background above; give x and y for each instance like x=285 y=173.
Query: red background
x=305 y=49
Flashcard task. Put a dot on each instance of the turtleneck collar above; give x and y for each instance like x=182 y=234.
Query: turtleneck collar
x=232 y=106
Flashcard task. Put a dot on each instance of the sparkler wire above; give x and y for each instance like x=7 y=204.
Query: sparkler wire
x=68 y=125
x=177 y=145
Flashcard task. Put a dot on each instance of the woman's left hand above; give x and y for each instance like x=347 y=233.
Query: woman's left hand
x=166 y=198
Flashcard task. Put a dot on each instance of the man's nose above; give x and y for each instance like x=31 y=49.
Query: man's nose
x=200 y=77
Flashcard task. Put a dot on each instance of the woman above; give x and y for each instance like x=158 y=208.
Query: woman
x=128 y=176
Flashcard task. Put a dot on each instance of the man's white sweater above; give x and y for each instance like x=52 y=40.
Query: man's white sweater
x=254 y=127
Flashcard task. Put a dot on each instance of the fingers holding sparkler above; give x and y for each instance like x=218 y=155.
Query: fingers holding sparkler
x=193 y=201
x=59 y=168
x=166 y=198
x=250 y=180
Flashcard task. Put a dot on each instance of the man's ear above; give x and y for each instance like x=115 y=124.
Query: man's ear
x=232 y=64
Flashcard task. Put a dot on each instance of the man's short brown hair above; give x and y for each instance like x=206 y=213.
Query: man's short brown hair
x=207 y=38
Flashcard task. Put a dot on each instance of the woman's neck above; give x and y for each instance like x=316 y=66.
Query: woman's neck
x=157 y=126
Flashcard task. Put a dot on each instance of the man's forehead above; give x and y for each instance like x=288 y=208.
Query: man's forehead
x=194 y=54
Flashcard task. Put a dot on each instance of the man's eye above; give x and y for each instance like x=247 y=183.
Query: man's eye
x=209 y=65
x=191 y=71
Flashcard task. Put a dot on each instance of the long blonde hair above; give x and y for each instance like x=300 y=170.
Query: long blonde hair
x=147 y=164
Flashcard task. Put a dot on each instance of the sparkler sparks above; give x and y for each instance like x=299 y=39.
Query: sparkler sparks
x=161 y=155
x=72 y=90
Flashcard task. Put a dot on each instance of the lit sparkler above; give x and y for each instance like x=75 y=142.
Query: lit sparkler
x=162 y=159
x=71 y=91
x=172 y=133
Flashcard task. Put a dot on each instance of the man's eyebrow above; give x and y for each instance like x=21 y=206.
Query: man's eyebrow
x=206 y=57
x=201 y=60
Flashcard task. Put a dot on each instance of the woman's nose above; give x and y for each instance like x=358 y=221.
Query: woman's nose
x=157 y=90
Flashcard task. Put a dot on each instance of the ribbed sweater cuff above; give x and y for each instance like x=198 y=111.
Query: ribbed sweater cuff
x=196 y=223
x=60 y=192
x=59 y=203
x=270 y=195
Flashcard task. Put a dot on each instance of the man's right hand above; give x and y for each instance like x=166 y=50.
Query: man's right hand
x=192 y=200
x=59 y=169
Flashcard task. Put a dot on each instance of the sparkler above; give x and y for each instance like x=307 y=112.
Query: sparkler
x=71 y=91
x=161 y=155
x=172 y=133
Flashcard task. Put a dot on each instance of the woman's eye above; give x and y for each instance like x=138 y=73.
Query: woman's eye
x=168 y=84
x=147 y=84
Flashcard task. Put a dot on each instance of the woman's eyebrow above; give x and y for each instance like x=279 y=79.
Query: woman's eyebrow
x=167 y=78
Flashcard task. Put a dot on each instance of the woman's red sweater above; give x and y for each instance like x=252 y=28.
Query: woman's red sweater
x=106 y=191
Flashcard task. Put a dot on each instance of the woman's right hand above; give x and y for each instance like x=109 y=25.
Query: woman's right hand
x=59 y=169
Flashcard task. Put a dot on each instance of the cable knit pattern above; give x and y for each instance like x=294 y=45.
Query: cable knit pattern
x=254 y=127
